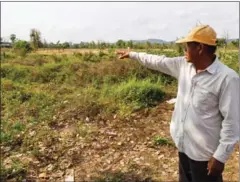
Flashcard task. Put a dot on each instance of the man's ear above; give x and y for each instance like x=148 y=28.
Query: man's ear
x=200 y=49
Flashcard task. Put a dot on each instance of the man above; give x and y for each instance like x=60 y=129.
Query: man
x=205 y=121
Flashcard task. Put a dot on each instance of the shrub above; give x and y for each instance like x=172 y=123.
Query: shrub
x=160 y=141
x=142 y=92
x=22 y=47
x=132 y=95
x=230 y=59
x=15 y=72
x=90 y=57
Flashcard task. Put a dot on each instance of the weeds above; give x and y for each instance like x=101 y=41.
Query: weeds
x=160 y=141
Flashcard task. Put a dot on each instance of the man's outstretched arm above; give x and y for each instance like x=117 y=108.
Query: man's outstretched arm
x=169 y=66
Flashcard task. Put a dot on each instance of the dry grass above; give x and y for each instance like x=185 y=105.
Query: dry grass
x=67 y=51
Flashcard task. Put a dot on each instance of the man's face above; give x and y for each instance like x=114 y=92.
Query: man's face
x=192 y=51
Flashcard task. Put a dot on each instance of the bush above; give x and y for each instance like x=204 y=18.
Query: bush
x=133 y=95
x=90 y=57
x=15 y=72
x=142 y=92
x=47 y=73
x=22 y=47
x=56 y=58
x=230 y=59
x=235 y=43
x=77 y=55
x=7 y=85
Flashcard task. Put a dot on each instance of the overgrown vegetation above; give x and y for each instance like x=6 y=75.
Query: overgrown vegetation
x=45 y=91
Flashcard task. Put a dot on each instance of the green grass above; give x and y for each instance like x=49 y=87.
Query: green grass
x=17 y=171
x=230 y=59
x=133 y=95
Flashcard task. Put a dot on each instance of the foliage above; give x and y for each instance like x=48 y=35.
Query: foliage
x=22 y=47
x=235 y=43
x=221 y=42
x=35 y=37
x=160 y=141
x=13 y=37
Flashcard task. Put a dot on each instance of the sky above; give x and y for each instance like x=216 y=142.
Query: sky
x=111 y=21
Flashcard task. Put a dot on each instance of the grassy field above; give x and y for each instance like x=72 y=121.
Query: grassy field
x=90 y=112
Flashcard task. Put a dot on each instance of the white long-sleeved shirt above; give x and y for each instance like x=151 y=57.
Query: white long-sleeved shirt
x=205 y=122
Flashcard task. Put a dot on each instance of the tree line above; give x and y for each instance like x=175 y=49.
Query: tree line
x=36 y=43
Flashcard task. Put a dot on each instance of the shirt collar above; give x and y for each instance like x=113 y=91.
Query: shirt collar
x=213 y=67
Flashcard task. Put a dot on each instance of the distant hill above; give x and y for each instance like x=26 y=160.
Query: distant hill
x=160 y=41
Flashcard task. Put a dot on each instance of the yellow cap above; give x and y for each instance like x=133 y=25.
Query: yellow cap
x=202 y=34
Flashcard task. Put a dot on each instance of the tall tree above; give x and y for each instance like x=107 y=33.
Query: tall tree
x=13 y=37
x=148 y=45
x=92 y=45
x=130 y=44
x=45 y=44
x=35 y=37
x=66 y=45
x=120 y=43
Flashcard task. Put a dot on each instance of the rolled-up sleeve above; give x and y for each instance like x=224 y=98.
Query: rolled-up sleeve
x=169 y=66
x=229 y=106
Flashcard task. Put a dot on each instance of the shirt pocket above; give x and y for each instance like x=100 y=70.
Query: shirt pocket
x=203 y=100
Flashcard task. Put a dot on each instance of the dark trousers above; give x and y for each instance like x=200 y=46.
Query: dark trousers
x=194 y=171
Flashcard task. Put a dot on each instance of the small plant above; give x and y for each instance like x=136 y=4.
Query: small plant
x=7 y=85
x=111 y=54
x=56 y=58
x=11 y=133
x=160 y=141
x=17 y=171
x=36 y=152
x=82 y=129
x=116 y=177
x=78 y=55
x=101 y=54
